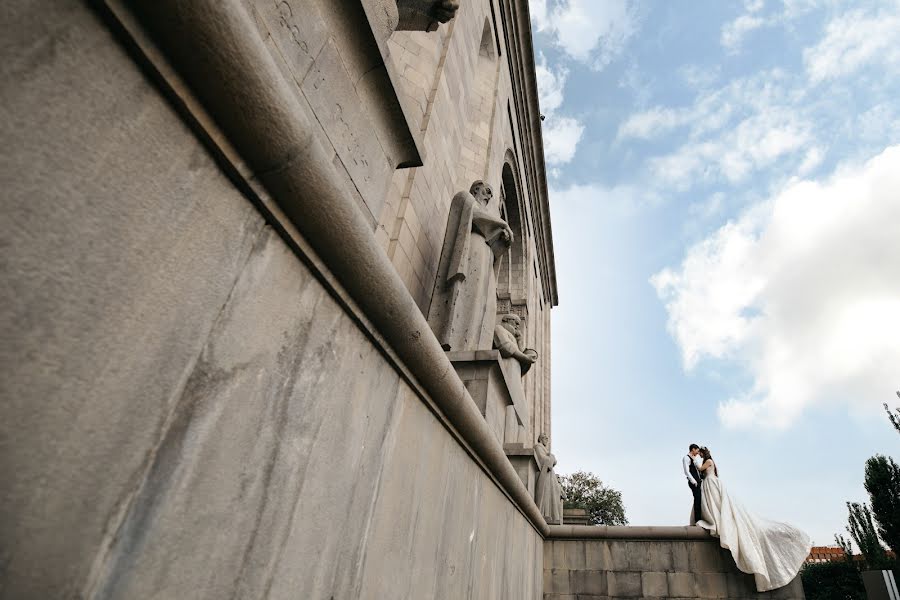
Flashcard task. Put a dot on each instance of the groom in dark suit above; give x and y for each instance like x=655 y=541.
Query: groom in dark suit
x=692 y=473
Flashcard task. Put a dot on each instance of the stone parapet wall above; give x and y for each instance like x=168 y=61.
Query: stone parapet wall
x=651 y=564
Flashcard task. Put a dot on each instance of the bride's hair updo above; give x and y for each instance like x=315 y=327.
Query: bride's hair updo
x=707 y=455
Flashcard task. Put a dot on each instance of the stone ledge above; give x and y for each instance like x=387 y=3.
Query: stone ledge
x=636 y=532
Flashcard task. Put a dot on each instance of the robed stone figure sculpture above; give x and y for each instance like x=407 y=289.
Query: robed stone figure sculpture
x=508 y=340
x=548 y=493
x=464 y=304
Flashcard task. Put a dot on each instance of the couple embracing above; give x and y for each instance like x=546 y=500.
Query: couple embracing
x=773 y=552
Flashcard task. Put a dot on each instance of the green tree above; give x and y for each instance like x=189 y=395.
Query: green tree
x=846 y=546
x=883 y=484
x=862 y=530
x=603 y=504
x=895 y=418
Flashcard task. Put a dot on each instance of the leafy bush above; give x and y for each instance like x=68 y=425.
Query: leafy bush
x=832 y=581
x=838 y=580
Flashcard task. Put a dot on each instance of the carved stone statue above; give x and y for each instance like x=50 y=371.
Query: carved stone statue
x=548 y=492
x=464 y=304
x=508 y=340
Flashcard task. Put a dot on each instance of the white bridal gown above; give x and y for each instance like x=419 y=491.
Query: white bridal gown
x=773 y=552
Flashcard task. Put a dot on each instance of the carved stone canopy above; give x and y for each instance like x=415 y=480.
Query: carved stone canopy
x=517 y=307
x=387 y=16
x=425 y=15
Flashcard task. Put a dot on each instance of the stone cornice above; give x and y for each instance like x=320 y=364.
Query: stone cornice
x=625 y=532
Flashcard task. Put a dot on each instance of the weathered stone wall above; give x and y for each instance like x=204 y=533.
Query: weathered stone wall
x=602 y=569
x=185 y=410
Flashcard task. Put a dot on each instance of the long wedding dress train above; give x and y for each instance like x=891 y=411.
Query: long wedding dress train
x=773 y=552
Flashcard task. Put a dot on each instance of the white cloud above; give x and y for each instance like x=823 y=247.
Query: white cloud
x=778 y=121
x=589 y=31
x=706 y=296
x=753 y=143
x=881 y=120
x=733 y=33
x=619 y=200
x=813 y=159
x=798 y=8
x=551 y=84
x=753 y=6
x=710 y=111
x=852 y=37
x=540 y=16
x=561 y=134
x=853 y=40
x=697 y=77
x=652 y=122
x=730 y=133
x=713 y=110
x=637 y=83
x=707 y=209
x=802 y=289
x=561 y=137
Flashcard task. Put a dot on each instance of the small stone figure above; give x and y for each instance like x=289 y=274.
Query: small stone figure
x=548 y=493
x=508 y=340
x=464 y=304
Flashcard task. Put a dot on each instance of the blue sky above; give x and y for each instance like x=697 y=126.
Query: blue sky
x=725 y=195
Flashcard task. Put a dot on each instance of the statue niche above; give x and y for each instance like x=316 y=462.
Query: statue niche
x=464 y=303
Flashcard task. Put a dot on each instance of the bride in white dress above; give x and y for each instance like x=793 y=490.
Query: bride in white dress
x=773 y=552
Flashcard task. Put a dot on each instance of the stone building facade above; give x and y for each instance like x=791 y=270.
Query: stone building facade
x=477 y=123
x=223 y=229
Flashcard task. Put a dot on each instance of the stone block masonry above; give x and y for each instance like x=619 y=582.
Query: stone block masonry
x=645 y=562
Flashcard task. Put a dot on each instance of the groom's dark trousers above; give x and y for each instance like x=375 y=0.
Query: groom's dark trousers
x=695 y=490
